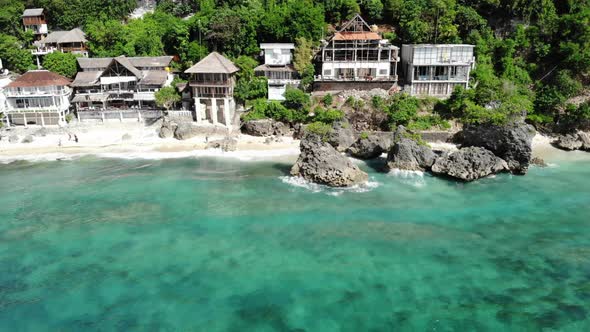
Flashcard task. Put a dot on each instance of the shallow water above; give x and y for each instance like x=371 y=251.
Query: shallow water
x=221 y=245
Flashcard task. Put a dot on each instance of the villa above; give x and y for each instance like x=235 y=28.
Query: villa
x=435 y=70
x=120 y=83
x=39 y=97
x=212 y=82
x=278 y=69
x=357 y=57
x=73 y=41
x=34 y=20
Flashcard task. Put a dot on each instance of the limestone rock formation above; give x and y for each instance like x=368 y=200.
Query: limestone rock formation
x=512 y=142
x=319 y=162
x=469 y=164
x=407 y=154
x=371 y=146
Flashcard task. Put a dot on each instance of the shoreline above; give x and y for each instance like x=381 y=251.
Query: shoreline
x=136 y=141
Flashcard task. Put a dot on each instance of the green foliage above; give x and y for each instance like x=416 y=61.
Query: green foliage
x=378 y=103
x=364 y=135
x=328 y=100
x=166 y=97
x=401 y=110
x=69 y=118
x=319 y=128
x=62 y=63
x=296 y=99
x=426 y=122
x=14 y=55
x=327 y=115
x=249 y=86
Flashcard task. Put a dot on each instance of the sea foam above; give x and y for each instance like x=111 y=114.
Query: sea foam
x=300 y=182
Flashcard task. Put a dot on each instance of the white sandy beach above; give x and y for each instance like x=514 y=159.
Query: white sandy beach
x=107 y=140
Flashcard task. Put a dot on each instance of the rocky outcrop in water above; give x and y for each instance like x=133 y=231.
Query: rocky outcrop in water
x=512 y=142
x=319 y=162
x=469 y=164
x=369 y=146
x=407 y=154
x=577 y=141
x=186 y=130
x=167 y=129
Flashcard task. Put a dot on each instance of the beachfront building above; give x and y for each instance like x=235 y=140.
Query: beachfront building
x=120 y=83
x=357 y=57
x=278 y=69
x=34 y=21
x=212 y=81
x=73 y=41
x=435 y=70
x=39 y=97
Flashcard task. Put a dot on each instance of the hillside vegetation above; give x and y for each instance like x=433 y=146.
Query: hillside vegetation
x=533 y=56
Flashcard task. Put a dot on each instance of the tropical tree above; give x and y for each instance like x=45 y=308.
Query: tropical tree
x=62 y=63
x=166 y=97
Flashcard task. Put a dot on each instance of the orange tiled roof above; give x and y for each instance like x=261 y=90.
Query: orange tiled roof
x=348 y=35
x=39 y=78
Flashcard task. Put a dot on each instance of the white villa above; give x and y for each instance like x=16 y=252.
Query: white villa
x=357 y=57
x=212 y=82
x=39 y=97
x=435 y=70
x=120 y=83
x=278 y=69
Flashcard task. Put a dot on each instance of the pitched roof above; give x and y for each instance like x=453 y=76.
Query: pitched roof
x=39 y=78
x=355 y=24
x=86 y=78
x=59 y=37
x=141 y=62
x=151 y=61
x=213 y=63
x=33 y=12
x=123 y=61
x=154 y=77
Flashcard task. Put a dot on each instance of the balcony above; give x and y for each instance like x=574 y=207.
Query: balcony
x=11 y=93
x=212 y=83
x=356 y=79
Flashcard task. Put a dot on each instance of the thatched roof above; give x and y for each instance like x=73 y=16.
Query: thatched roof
x=214 y=63
x=61 y=37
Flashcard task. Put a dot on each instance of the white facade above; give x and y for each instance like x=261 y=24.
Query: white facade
x=278 y=69
x=277 y=54
x=435 y=70
x=43 y=105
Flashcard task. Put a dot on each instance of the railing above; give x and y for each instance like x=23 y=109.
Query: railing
x=211 y=83
x=119 y=115
x=356 y=79
x=36 y=93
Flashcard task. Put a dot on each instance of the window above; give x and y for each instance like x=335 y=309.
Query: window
x=383 y=72
x=327 y=72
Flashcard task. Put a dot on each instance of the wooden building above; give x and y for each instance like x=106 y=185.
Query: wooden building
x=212 y=82
x=73 y=41
x=34 y=20
x=120 y=83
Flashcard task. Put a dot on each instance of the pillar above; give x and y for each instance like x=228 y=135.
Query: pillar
x=226 y=112
x=42 y=120
x=214 y=110
x=198 y=109
x=120 y=116
x=78 y=115
x=25 y=119
x=8 y=120
x=102 y=116
x=138 y=116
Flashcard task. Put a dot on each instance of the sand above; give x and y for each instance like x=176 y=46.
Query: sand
x=140 y=141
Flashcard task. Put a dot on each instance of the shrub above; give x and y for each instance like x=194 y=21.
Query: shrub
x=296 y=99
x=69 y=118
x=319 y=128
x=328 y=100
x=427 y=122
x=364 y=135
x=378 y=103
x=402 y=110
x=328 y=116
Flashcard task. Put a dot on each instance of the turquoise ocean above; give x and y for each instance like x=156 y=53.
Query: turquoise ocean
x=217 y=244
